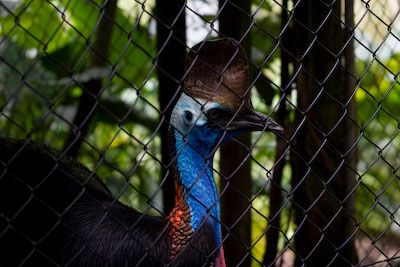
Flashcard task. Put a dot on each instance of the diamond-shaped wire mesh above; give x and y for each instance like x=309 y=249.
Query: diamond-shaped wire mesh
x=97 y=80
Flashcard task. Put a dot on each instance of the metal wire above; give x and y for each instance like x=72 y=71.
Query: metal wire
x=321 y=187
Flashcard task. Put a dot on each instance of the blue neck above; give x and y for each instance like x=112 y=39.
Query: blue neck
x=195 y=167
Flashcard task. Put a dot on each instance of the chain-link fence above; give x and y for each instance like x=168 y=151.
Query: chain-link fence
x=97 y=81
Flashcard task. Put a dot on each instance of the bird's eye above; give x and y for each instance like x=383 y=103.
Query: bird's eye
x=188 y=115
x=214 y=113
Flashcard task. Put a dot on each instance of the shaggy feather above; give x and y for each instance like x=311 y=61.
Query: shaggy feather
x=54 y=211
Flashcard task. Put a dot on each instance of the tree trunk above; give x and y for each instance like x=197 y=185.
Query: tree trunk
x=171 y=45
x=322 y=156
x=92 y=89
x=234 y=21
x=275 y=196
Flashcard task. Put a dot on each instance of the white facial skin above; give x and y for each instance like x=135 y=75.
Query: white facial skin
x=189 y=112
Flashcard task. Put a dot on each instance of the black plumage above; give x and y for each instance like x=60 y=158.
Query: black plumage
x=54 y=211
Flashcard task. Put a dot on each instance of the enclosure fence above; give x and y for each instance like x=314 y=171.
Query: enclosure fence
x=97 y=81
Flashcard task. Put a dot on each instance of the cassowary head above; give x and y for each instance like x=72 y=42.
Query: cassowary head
x=213 y=107
x=215 y=104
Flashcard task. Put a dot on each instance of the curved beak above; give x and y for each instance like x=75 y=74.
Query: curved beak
x=254 y=121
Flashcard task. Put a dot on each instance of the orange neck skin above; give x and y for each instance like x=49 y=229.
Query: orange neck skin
x=181 y=230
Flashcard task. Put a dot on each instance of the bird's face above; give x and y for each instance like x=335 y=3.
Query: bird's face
x=206 y=124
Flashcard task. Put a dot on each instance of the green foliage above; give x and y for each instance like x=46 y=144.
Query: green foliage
x=47 y=48
x=378 y=106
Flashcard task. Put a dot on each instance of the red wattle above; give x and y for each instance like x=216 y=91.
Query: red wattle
x=220 y=261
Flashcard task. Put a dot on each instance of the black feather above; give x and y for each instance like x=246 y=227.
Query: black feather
x=54 y=211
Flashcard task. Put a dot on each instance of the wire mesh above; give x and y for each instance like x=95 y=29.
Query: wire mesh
x=97 y=81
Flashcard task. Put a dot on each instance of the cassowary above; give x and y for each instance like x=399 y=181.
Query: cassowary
x=55 y=212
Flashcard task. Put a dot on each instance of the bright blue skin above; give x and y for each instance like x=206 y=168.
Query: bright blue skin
x=195 y=166
x=195 y=144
